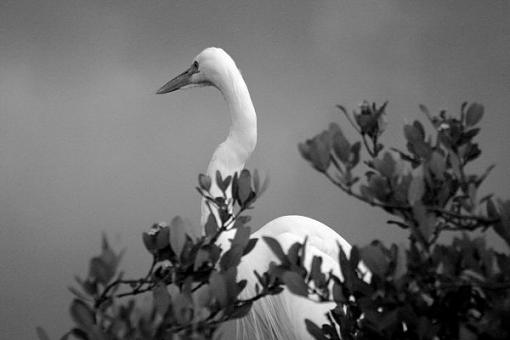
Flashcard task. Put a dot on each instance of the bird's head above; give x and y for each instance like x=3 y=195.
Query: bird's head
x=209 y=68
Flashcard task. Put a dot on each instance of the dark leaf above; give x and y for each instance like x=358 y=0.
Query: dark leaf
x=293 y=253
x=178 y=234
x=318 y=278
x=231 y=258
x=202 y=296
x=401 y=262
x=416 y=189
x=250 y=245
x=437 y=165
x=413 y=133
x=426 y=221
x=502 y=227
x=338 y=294
x=474 y=114
x=241 y=237
x=222 y=183
x=276 y=248
x=203 y=256
x=162 y=237
x=41 y=333
x=341 y=146
x=244 y=186
x=100 y=270
x=182 y=305
x=211 y=226
x=218 y=287
x=82 y=314
x=314 y=330
x=319 y=151
x=149 y=241
x=375 y=259
x=355 y=154
x=304 y=150
x=161 y=298
x=241 y=311
x=80 y=334
x=204 y=181
x=354 y=257
x=295 y=283
x=386 y=165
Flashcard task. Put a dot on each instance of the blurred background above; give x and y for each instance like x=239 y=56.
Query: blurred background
x=86 y=147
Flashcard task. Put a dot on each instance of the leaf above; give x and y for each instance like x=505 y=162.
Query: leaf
x=295 y=283
x=416 y=189
x=211 y=226
x=218 y=287
x=244 y=186
x=502 y=227
x=354 y=257
x=355 y=151
x=203 y=256
x=41 y=333
x=241 y=237
x=182 y=308
x=231 y=258
x=100 y=270
x=293 y=253
x=314 y=330
x=162 y=237
x=222 y=183
x=250 y=245
x=375 y=259
x=178 y=235
x=202 y=296
x=386 y=166
x=341 y=146
x=304 y=150
x=318 y=278
x=161 y=298
x=149 y=242
x=82 y=314
x=241 y=311
x=492 y=211
x=319 y=152
x=401 y=259
x=204 y=181
x=80 y=334
x=474 y=114
x=275 y=246
x=426 y=221
x=437 y=164
x=413 y=133
x=338 y=294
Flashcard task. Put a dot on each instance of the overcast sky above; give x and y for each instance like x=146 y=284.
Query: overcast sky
x=86 y=146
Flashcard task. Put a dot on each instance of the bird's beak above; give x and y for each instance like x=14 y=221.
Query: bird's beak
x=181 y=80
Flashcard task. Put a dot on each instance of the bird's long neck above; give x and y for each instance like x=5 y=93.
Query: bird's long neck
x=243 y=129
x=231 y=155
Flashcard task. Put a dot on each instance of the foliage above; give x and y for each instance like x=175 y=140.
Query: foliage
x=425 y=289
x=192 y=280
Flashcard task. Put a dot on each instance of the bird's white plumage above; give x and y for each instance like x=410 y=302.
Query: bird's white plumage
x=281 y=316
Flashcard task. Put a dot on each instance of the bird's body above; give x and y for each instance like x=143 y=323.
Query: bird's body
x=280 y=316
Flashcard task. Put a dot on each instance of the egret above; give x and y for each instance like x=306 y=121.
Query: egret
x=274 y=317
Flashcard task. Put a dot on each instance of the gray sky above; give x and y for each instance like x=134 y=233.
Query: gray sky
x=86 y=146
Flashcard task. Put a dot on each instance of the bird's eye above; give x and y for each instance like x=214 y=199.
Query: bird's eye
x=195 y=65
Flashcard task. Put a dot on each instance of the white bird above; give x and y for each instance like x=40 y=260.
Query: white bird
x=274 y=317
